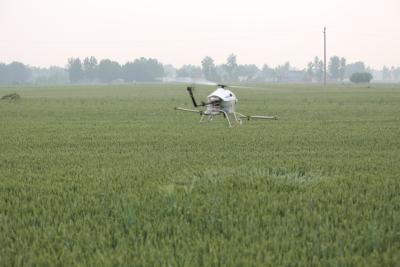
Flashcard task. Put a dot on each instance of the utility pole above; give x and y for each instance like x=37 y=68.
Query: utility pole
x=324 y=56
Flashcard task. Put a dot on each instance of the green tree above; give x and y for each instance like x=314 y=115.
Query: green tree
x=231 y=68
x=248 y=72
x=143 y=70
x=189 y=71
x=358 y=66
x=3 y=73
x=342 y=68
x=18 y=73
x=282 y=71
x=89 y=68
x=334 y=67
x=268 y=73
x=129 y=72
x=361 y=77
x=108 y=70
x=209 y=69
x=75 y=70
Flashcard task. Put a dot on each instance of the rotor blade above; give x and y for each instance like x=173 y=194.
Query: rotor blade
x=189 y=110
x=194 y=81
x=263 y=117
x=243 y=87
x=206 y=82
x=203 y=82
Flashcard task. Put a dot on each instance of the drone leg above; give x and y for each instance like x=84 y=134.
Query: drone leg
x=227 y=118
x=201 y=118
x=237 y=120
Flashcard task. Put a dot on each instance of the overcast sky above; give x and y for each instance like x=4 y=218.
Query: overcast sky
x=47 y=32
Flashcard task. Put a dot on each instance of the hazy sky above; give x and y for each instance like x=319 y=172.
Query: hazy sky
x=47 y=32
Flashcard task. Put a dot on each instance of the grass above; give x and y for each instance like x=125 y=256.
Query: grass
x=112 y=175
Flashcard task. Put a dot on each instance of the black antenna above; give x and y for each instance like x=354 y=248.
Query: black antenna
x=191 y=96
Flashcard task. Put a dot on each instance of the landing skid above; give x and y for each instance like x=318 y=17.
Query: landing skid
x=209 y=116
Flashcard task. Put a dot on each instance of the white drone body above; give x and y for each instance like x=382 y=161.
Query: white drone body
x=221 y=101
x=227 y=101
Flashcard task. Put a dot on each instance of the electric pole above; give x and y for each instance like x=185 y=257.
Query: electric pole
x=324 y=56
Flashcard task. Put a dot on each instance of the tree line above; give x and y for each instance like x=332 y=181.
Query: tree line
x=106 y=71
x=338 y=70
x=391 y=74
x=14 y=72
x=90 y=70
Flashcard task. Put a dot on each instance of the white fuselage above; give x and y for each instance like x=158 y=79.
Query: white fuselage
x=227 y=101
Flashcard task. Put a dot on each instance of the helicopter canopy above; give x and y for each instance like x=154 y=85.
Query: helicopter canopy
x=224 y=94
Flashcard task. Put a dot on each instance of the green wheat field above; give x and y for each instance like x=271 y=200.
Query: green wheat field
x=114 y=176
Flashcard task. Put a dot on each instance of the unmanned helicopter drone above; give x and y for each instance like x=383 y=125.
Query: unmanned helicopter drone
x=220 y=102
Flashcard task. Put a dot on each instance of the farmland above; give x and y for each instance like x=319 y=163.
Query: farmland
x=112 y=175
